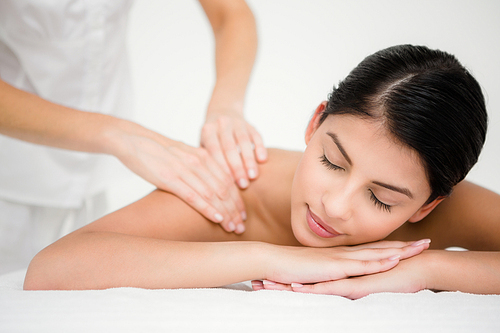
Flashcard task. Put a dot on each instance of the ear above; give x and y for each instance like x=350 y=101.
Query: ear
x=425 y=210
x=314 y=122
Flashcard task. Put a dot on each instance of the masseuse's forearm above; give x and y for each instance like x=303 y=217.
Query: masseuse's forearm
x=467 y=271
x=235 y=34
x=170 y=165
x=105 y=260
x=30 y=118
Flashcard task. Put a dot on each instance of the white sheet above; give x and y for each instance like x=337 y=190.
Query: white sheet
x=237 y=309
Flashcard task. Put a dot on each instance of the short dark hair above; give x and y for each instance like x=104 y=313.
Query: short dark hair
x=428 y=101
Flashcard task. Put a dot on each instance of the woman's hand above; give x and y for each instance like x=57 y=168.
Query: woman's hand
x=188 y=172
x=407 y=277
x=350 y=271
x=235 y=145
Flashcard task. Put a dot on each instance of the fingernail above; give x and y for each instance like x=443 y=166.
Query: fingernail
x=244 y=216
x=240 y=228
x=252 y=174
x=231 y=226
x=267 y=282
x=218 y=217
x=297 y=285
x=420 y=242
x=243 y=183
x=262 y=154
x=395 y=257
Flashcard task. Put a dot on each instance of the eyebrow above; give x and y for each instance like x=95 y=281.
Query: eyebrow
x=402 y=190
x=335 y=139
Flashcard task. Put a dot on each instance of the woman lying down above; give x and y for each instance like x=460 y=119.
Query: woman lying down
x=352 y=215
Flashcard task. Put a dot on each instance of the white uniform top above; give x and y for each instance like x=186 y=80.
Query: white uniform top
x=71 y=52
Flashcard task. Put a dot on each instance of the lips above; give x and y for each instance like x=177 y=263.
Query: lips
x=319 y=227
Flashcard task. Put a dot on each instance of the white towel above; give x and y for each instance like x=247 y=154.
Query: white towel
x=237 y=309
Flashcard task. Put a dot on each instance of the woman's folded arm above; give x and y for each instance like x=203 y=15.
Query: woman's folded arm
x=99 y=260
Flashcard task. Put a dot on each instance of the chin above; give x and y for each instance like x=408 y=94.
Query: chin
x=302 y=237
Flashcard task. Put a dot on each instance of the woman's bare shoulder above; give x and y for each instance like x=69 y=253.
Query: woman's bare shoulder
x=157 y=215
x=281 y=163
x=163 y=215
x=469 y=218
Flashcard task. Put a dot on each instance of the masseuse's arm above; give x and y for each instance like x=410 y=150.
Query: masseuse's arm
x=160 y=242
x=189 y=172
x=470 y=218
x=233 y=143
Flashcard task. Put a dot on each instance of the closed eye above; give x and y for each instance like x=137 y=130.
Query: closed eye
x=379 y=203
x=329 y=165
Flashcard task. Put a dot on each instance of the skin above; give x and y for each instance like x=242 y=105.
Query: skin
x=160 y=242
x=342 y=190
x=453 y=223
x=203 y=178
x=231 y=141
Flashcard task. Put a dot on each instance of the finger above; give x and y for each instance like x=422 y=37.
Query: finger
x=370 y=254
x=379 y=245
x=415 y=248
x=257 y=285
x=271 y=285
x=230 y=197
x=259 y=148
x=233 y=158
x=381 y=253
x=237 y=210
x=197 y=192
x=347 y=268
x=194 y=200
x=223 y=179
x=221 y=191
x=349 y=288
x=234 y=204
x=358 y=287
x=247 y=152
x=210 y=141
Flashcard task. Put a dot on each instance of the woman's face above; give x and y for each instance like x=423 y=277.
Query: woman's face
x=354 y=183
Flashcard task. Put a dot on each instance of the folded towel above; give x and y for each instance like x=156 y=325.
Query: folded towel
x=236 y=309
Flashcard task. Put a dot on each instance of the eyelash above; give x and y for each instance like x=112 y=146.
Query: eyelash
x=329 y=165
x=379 y=204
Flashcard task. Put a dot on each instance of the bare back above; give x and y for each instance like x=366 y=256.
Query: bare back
x=164 y=216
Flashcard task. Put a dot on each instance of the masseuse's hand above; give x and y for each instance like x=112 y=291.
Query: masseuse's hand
x=226 y=134
x=188 y=172
x=235 y=145
x=362 y=270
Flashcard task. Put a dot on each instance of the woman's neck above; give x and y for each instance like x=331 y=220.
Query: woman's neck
x=267 y=199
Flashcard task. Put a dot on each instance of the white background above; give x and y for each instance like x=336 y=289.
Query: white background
x=305 y=46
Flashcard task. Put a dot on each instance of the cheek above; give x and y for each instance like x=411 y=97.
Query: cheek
x=305 y=187
x=300 y=176
x=374 y=226
x=308 y=179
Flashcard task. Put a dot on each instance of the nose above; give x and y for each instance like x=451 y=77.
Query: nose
x=338 y=204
